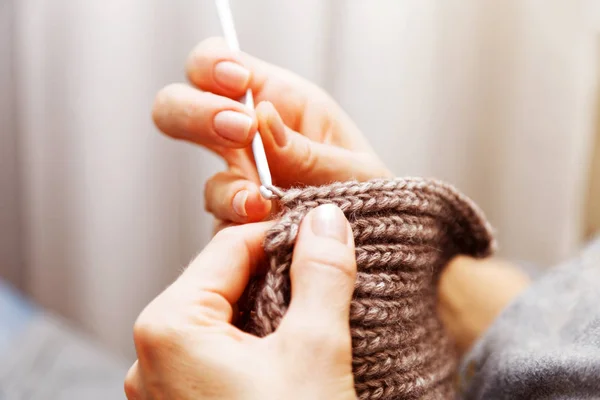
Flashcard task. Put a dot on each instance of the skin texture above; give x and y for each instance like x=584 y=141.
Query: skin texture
x=187 y=347
x=472 y=293
x=308 y=139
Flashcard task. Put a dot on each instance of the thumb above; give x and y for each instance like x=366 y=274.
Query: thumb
x=322 y=274
x=300 y=160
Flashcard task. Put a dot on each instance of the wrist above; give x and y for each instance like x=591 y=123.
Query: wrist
x=473 y=293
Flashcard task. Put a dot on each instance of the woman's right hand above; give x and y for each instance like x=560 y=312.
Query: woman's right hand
x=308 y=139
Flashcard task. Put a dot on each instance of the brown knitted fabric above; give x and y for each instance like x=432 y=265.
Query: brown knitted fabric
x=405 y=231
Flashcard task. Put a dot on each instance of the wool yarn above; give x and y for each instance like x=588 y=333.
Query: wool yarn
x=405 y=231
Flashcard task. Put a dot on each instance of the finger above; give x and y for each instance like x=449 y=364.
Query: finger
x=297 y=159
x=183 y=112
x=216 y=279
x=219 y=225
x=215 y=68
x=202 y=298
x=322 y=276
x=133 y=384
x=231 y=197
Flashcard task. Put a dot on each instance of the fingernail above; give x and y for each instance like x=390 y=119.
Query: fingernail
x=277 y=127
x=233 y=125
x=239 y=203
x=329 y=221
x=232 y=75
x=257 y=206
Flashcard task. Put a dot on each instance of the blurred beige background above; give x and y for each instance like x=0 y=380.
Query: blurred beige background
x=99 y=211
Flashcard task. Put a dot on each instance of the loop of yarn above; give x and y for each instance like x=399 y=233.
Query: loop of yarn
x=405 y=231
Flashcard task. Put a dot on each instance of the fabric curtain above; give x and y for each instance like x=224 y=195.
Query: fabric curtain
x=100 y=211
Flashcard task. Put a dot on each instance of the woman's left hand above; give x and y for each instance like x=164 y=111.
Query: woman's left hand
x=188 y=348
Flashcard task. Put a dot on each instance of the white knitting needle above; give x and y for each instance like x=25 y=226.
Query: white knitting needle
x=258 y=150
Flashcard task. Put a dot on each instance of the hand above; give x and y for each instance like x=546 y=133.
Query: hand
x=308 y=139
x=188 y=349
x=472 y=293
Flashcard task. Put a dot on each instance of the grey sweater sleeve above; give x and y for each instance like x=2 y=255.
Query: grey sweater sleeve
x=546 y=344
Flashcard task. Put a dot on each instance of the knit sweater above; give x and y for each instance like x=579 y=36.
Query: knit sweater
x=405 y=231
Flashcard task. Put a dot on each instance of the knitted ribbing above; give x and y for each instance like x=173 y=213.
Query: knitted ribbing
x=405 y=231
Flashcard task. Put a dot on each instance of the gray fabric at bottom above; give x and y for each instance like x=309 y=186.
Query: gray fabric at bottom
x=546 y=344
x=50 y=361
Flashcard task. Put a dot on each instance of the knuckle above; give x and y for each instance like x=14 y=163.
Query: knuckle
x=309 y=160
x=169 y=91
x=210 y=188
x=203 y=53
x=162 y=99
x=219 y=192
x=213 y=308
x=152 y=332
x=171 y=114
x=131 y=389
x=213 y=43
